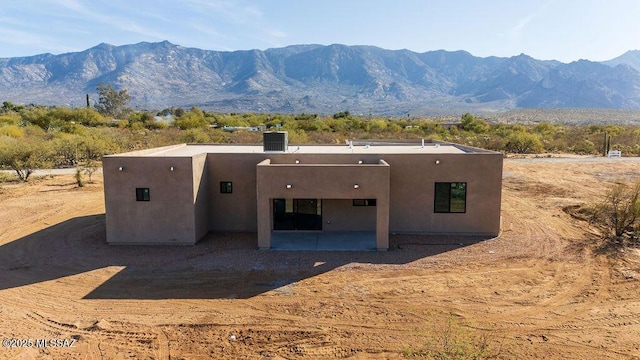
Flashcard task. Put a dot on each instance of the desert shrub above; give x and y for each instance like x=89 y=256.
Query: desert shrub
x=310 y=125
x=90 y=168
x=83 y=116
x=342 y=114
x=619 y=213
x=34 y=132
x=194 y=136
x=304 y=116
x=13 y=131
x=545 y=128
x=492 y=142
x=584 y=147
x=79 y=179
x=137 y=125
x=231 y=121
x=10 y=119
x=298 y=137
x=72 y=128
x=521 y=142
x=7 y=177
x=394 y=128
x=378 y=125
x=249 y=137
x=37 y=116
x=454 y=340
x=157 y=125
x=192 y=120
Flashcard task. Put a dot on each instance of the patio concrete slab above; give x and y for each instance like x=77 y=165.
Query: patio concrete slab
x=324 y=241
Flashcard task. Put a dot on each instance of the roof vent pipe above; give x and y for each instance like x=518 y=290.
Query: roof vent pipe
x=423 y=143
x=351 y=144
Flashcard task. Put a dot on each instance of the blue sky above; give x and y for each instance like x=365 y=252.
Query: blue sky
x=565 y=30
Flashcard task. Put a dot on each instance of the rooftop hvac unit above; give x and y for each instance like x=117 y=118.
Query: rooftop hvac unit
x=275 y=141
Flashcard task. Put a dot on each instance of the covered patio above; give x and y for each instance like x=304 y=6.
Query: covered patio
x=316 y=201
x=324 y=240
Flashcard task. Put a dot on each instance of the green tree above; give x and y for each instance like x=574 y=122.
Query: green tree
x=8 y=106
x=24 y=157
x=521 y=142
x=112 y=102
x=545 y=128
x=472 y=124
x=192 y=120
x=342 y=114
x=67 y=148
x=38 y=116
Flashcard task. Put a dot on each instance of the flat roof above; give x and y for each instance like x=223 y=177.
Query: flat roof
x=189 y=150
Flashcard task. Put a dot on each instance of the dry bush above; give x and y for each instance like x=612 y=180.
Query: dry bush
x=619 y=213
x=454 y=340
x=617 y=216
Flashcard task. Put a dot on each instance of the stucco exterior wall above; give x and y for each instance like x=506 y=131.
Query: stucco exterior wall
x=201 y=189
x=186 y=203
x=168 y=218
x=413 y=179
x=236 y=211
x=341 y=215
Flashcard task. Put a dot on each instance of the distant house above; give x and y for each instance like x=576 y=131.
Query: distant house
x=247 y=128
x=178 y=194
x=450 y=125
x=167 y=119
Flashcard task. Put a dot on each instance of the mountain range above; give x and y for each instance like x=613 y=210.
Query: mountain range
x=320 y=79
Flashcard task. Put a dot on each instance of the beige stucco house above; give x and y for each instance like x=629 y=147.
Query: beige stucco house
x=178 y=194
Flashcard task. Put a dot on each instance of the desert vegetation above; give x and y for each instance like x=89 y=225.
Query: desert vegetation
x=54 y=137
x=36 y=136
x=615 y=216
x=536 y=291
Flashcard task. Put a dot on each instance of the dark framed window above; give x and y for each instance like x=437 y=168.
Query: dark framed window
x=226 y=187
x=450 y=197
x=142 y=194
x=364 y=202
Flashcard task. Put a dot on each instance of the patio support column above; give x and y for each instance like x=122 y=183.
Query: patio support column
x=263 y=212
x=382 y=212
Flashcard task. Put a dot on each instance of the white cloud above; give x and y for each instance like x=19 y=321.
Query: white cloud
x=516 y=31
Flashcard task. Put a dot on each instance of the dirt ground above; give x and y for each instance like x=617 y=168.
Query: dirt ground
x=540 y=290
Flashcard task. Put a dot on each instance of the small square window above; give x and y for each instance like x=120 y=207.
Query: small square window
x=226 y=187
x=450 y=197
x=364 y=202
x=142 y=194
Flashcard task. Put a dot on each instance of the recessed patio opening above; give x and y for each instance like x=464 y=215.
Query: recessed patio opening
x=297 y=214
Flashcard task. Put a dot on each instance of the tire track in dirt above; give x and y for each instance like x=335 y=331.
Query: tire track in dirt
x=101 y=335
x=530 y=287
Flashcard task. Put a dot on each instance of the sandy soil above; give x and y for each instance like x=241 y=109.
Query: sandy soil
x=540 y=290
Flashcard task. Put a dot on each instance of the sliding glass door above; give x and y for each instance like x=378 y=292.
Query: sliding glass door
x=297 y=214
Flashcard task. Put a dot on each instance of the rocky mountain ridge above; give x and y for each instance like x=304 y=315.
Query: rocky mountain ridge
x=321 y=79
